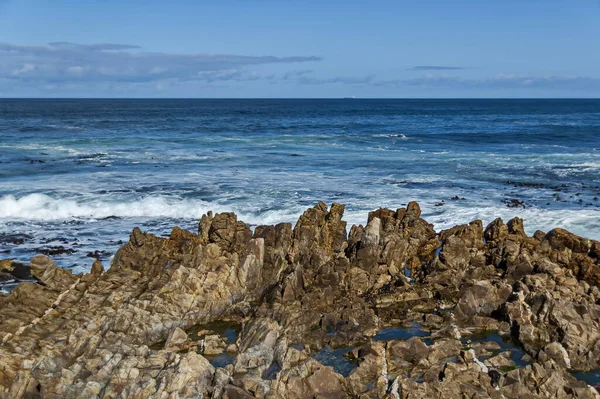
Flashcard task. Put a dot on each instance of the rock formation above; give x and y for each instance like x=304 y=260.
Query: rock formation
x=392 y=309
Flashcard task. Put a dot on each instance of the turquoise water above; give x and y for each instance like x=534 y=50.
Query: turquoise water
x=80 y=174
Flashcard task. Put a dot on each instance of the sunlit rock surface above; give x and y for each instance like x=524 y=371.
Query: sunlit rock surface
x=392 y=309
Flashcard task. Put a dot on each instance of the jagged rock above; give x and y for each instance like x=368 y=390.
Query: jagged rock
x=214 y=345
x=97 y=268
x=176 y=340
x=125 y=331
x=557 y=353
x=481 y=298
x=462 y=246
x=559 y=309
x=45 y=270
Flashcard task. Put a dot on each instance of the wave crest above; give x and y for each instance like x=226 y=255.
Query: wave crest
x=44 y=207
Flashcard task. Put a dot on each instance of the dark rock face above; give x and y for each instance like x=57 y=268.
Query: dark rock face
x=55 y=250
x=12 y=270
x=15 y=239
x=391 y=309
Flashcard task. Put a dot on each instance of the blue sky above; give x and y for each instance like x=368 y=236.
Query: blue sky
x=458 y=48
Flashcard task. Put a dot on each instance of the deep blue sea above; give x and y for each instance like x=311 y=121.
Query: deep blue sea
x=82 y=173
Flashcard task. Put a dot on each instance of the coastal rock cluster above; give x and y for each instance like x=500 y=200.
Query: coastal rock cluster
x=392 y=309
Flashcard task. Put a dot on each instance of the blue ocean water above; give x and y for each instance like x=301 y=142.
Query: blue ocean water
x=82 y=173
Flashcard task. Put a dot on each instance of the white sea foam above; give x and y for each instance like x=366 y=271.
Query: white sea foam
x=45 y=207
x=574 y=168
x=586 y=166
x=42 y=207
x=584 y=222
x=66 y=127
x=393 y=136
x=45 y=148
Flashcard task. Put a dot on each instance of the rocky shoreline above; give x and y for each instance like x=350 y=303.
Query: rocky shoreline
x=393 y=309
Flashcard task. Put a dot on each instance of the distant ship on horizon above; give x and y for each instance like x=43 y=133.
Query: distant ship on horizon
x=350 y=98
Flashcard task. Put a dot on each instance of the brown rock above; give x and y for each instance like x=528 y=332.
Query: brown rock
x=121 y=332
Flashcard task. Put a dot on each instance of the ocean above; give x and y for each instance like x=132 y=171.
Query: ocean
x=76 y=176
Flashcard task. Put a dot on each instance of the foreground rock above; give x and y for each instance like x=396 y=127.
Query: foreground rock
x=393 y=309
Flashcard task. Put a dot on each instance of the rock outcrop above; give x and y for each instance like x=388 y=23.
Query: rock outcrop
x=392 y=309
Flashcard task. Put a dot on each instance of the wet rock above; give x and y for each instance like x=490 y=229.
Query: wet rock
x=513 y=203
x=56 y=250
x=12 y=269
x=98 y=254
x=14 y=239
x=525 y=184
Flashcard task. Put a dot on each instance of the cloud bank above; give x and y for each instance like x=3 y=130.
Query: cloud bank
x=441 y=81
x=109 y=69
x=63 y=62
x=500 y=82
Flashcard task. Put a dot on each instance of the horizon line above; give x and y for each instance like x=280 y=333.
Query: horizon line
x=349 y=99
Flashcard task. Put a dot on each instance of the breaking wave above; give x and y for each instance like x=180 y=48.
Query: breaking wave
x=44 y=207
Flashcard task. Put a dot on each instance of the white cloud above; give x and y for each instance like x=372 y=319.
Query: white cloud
x=24 y=69
x=500 y=82
x=76 y=70
x=61 y=62
x=120 y=68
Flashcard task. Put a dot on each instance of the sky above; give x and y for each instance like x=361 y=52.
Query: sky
x=300 y=49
